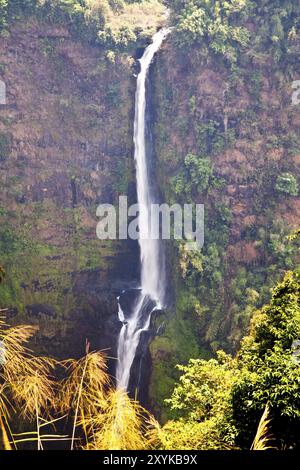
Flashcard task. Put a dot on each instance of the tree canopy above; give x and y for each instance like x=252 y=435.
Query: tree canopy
x=218 y=403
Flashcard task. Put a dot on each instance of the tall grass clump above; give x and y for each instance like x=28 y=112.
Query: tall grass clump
x=27 y=385
x=120 y=426
x=83 y=392
x=263 y=438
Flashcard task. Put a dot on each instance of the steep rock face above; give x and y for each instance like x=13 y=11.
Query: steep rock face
x=244 y=124
x=65 y=147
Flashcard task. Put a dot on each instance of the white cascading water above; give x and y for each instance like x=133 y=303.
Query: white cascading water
x=152 y=291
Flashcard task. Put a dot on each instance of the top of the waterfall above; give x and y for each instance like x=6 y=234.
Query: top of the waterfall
x=151 y=50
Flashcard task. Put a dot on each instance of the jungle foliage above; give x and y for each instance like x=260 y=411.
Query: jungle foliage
x=238 y=26
x=217 y=404
x=110 y=23
x=249 y=43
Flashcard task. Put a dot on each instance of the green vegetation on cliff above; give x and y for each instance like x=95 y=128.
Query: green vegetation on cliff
x=111 y=23
x=225 y=134
x=65 y=146
x=227 y=27
x=232 y=144
x=216 y=404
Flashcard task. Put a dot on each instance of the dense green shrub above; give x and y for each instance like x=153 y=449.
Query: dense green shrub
x=3 y=14
x=213 y=22
x=113 y=23
x=223 y=26
x=287 y=184
x=5 y=145
x=272 y=370
x=222 y=400
x=196 y=176
x=210 y=137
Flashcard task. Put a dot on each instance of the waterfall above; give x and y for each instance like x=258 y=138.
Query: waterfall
x=152 y=290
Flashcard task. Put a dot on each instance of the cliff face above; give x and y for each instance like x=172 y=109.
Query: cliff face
x=65 y=147
x=244 y=131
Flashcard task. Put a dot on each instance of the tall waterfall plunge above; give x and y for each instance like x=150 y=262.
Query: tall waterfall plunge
x=152 y=291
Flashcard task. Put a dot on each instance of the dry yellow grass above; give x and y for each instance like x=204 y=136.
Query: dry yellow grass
x=154 y=434
x=263 y=439
x=5 y=439
x=120 y=426
x=84 y=389
x=27 y=379
x=87 y=378
x=107 y=418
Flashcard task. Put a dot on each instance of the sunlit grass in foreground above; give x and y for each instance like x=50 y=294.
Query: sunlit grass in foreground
x=100 y=416
x=85 y=403
x=263 y=438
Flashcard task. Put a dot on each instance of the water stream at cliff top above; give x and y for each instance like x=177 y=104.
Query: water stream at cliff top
x=151 y=294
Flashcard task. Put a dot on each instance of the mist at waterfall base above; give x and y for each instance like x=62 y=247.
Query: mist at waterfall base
x=136 y=306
